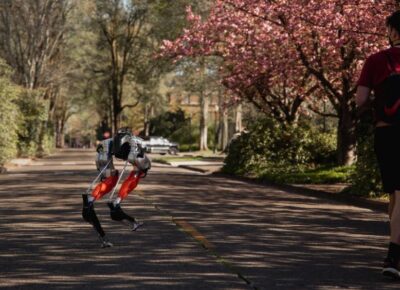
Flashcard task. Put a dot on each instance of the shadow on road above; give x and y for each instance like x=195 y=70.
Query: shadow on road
x=279 y=239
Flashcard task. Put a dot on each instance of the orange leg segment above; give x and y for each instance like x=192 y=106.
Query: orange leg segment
x=129 y=184
x=104 y=187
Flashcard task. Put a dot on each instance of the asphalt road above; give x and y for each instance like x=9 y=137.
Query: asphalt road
x=200 y=232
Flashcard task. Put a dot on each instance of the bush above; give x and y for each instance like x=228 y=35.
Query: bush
x=9 y=115
x=34 y=114
x=188 y=147
x=185 y=135
x=275 y=148
x=322 y=146
x=168 y=123
x=176 y=127
x=366 y=178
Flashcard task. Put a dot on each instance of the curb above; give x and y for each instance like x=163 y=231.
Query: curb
x=188 y=167
x=163 y=163
x=346 y=199
x=193 y=168
x=19 y=162
x=13 y=163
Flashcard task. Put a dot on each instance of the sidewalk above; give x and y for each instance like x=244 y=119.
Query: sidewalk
x=14 y=163
x=210 y=162
x=326 y=191
x=200 y=166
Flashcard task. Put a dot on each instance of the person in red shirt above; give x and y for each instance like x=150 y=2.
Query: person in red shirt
x=376 y=69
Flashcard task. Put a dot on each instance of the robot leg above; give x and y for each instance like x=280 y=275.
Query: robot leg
x=89 y=215
x=105 y=186
x=118 y=214
x=129 y=184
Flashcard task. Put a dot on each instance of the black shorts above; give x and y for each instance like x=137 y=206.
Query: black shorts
x=387 y=150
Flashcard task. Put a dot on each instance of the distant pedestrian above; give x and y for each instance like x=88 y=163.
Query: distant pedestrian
x=380 y=75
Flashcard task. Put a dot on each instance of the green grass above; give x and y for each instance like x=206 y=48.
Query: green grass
x=159 y=160
x=322 y=175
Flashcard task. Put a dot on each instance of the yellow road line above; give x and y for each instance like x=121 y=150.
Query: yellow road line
x=194 y=233
x=184 y=225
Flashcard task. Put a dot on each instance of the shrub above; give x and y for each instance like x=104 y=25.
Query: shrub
x=366 y=178
x=34 y=114
x=167 y=123
x=186 y=135
x=322 y=146
x=9 y=115
x=272 y=147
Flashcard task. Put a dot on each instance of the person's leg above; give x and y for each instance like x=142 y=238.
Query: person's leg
x=392 y=199
x=391 y=264
x=386 y=151
x=395 y=220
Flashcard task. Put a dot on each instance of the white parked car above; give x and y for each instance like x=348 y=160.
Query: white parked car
x=161 y=145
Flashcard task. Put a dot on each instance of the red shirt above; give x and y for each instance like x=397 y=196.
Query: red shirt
x=376 y=69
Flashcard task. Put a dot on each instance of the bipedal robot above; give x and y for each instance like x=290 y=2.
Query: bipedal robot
x=127 y=147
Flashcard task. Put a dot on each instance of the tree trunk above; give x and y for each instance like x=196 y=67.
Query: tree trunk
x=116 y=114
x=40 y=149
x=204 y=101
x=57 y=133
x=346 y=136
x=110 y=120
x=146 y=125
x=223 y=129
x=238 y=119
x=62 y=139
x=60 y=133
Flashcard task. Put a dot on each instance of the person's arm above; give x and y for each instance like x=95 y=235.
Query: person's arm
x=362 y=96
x=365 y=83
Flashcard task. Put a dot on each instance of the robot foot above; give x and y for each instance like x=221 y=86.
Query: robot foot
x=117 y=214
x=105 y=243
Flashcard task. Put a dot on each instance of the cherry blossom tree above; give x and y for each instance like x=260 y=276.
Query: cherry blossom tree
x=251 y=78
x=278 y=54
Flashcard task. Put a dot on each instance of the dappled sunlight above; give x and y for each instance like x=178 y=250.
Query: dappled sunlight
x=272 y=236
x=46 y=244
x=274 y=239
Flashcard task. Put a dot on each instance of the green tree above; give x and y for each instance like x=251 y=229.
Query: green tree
x=31 y=40
x=120 y=24
x=168 y=123
x=9 y=114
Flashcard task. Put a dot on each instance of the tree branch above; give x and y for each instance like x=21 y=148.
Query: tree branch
x=322 y=114
x=129 y=106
